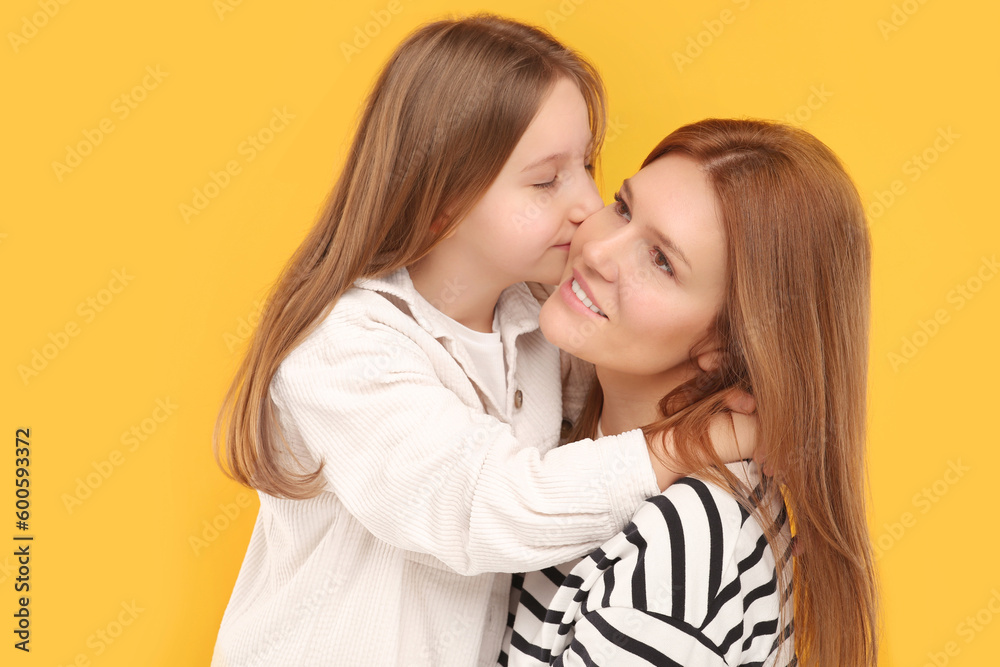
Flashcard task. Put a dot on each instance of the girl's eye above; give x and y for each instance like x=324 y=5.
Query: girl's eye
x=548 y=184
x=621 y=208
x=589 y=168
x=661 y=261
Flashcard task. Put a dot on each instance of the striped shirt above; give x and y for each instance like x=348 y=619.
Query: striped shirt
x=690 y=581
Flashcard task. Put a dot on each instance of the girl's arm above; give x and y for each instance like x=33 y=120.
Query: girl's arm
x=424 y=471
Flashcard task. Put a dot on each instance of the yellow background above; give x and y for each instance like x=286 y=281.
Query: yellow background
x=878 y=81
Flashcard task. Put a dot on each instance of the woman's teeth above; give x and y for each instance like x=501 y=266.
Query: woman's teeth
x=582 y=296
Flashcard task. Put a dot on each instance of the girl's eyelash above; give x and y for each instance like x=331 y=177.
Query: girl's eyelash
x=621 y=208
x=549 y=184
x=656 y=253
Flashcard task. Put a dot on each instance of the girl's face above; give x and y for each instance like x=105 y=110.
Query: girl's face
x=654 y=265
x=522 y=226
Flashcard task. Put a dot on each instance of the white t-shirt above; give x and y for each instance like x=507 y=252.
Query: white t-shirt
x=486 y=350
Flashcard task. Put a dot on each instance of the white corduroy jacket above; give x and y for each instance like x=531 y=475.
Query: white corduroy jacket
x=433 y=487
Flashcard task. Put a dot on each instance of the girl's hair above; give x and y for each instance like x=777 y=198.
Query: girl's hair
x=793 y=331
x=442 y=118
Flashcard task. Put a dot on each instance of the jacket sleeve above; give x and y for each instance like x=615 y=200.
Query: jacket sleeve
x=423 y=471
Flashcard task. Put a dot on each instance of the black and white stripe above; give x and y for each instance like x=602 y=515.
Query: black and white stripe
x=690 y=581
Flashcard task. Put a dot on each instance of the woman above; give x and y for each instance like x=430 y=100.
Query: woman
x=738 y=257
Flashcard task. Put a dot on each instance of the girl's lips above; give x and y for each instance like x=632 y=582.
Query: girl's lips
x=569 y=296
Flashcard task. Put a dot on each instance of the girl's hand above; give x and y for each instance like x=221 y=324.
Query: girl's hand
x=740 y=401
x=733 y=435
x=735 y=439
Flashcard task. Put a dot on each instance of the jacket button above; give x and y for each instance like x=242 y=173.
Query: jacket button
x=518 y=399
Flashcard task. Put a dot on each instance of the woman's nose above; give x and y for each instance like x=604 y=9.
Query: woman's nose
x=602 y=246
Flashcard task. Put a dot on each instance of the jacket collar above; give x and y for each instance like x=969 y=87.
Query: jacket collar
x=518 y=314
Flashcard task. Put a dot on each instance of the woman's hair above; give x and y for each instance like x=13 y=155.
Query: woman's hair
x=793 y=331
x=442 y=118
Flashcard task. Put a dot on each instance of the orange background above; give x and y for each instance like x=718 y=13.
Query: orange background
x=126 y=313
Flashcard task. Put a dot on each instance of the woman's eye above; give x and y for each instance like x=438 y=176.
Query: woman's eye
x=662 y=262
x=621 y=208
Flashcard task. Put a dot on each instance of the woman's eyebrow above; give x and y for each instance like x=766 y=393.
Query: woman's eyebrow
x=671 y=246
x=667 y=243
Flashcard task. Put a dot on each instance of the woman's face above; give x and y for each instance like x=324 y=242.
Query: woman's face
x=653 y=264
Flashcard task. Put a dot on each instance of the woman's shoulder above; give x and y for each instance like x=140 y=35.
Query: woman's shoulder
x=694 y=557
x=697 y=537
x=699 y=497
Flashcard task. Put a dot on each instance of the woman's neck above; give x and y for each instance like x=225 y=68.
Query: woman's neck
x=632 y=401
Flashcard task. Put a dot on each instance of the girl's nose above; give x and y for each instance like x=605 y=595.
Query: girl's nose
x=588 y=200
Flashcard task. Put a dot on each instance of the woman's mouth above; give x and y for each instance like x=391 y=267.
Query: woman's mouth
x=584 y=299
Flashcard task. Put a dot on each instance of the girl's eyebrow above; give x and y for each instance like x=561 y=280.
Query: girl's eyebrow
x=555 y=157
x=626 y=194
x=560 y=156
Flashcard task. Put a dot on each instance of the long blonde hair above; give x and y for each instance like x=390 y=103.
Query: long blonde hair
x=441 y=120
x=793 y=331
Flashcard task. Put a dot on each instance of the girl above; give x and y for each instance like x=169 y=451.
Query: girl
x=398 y=407
x=738 y=256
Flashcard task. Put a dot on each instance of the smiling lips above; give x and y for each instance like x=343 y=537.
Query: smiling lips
x=584 y=299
